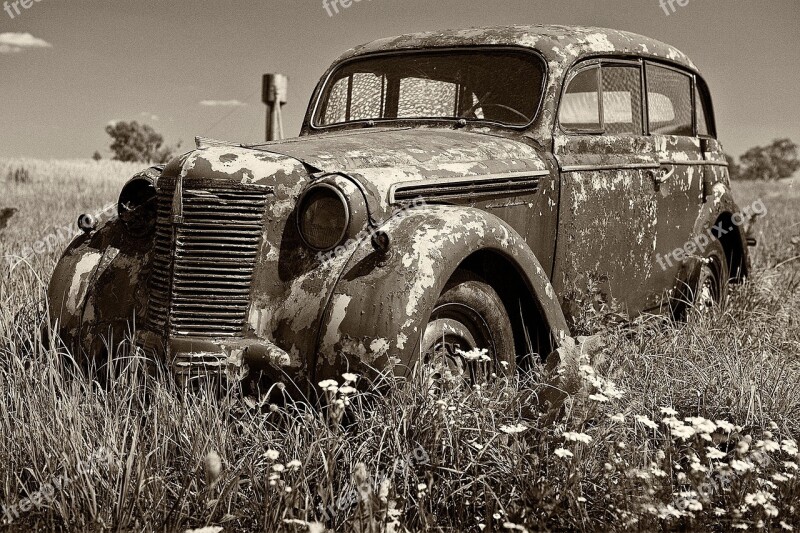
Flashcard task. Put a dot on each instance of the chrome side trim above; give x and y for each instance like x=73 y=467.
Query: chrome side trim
x=621 y=166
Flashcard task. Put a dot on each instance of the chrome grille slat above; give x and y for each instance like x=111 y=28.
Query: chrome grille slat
x=203 y=267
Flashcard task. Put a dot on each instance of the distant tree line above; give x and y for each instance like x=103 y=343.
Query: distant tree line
x=140 y=143
x=137 y=143
x=776 y=161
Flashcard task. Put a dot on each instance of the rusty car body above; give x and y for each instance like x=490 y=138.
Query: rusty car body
x=578 y=156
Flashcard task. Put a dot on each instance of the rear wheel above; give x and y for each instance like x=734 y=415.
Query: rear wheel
x=708 y=286
x=468 y=337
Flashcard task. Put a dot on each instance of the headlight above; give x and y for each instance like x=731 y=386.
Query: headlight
x=323 y=217
x=137 y=206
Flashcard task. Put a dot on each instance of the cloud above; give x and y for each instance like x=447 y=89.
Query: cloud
x=13 y=43
x=222 y=103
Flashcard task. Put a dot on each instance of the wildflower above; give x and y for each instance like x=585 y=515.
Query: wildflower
x=741 y=466
x=657 y=471
x=213 y=466
x=786 y=526
x=477 y=354
x=743 y=447
x=703 y=426
x=349 y=377
x=714 y=453
x=329 y=385
x=272 y=454
x=666 y=512
x=727 y=427
x=577 y=437
x=581 y=499
x=620 y=418
x=598 y=398
x=347 y=389
x=790 y=465
x=669 y=411
x=563 y=453
x=780 y=478
x=719 y=512
x=277 y=467
x=207 y=529
x=790 y=447
x=646 y=422
x=586 y=370
x=740 y=525
x=757 y=498
x=294 y=464
x=771 y=510
x=683 y=432
x=511 y=430
x=768 y=446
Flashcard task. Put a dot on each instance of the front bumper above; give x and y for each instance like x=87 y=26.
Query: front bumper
x=192 y=357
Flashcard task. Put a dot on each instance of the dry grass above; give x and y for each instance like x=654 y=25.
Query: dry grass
x=137 y=455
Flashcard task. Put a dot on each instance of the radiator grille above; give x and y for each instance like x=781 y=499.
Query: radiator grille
x=203 y=266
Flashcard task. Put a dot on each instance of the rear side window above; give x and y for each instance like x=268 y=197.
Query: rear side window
x=622 y=100
x=580 y=107
x=669 y=101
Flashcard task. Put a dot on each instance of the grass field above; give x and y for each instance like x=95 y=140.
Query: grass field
x=677 y=426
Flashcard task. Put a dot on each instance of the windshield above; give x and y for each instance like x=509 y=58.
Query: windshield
x=501 y=86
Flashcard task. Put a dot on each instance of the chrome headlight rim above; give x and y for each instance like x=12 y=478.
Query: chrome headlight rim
x=126 y=214
x=302 y=206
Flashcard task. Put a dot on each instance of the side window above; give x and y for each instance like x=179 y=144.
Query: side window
x=669 y=101
x=580 y=107
x=622 y=100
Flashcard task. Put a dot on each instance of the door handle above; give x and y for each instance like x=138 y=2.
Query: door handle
x=662 y=175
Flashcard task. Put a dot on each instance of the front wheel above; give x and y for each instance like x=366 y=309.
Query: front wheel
x=468 y=337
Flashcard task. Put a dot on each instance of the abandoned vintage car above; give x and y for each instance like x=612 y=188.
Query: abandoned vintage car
x=448 y=192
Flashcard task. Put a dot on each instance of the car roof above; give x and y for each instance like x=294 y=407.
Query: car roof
x=563 y=44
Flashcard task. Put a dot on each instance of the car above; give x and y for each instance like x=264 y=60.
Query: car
x=453 y=201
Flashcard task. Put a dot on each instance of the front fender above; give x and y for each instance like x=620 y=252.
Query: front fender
x=382 y=303
x=94 y=294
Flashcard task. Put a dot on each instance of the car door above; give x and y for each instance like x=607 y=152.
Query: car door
x=608 y=209
x=679 y=179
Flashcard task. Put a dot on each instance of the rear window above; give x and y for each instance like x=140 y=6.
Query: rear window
x=669 y=101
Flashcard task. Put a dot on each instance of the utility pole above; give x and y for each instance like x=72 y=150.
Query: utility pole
x=275 y=94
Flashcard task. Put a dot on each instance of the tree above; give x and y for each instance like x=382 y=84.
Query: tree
x=734 y=169
x=138 y=143
x=777 y=161
x=97 y=156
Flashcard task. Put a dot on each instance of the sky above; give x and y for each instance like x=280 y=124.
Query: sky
x=187 y=68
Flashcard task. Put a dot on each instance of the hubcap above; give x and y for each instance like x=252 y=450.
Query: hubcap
x=455 y=339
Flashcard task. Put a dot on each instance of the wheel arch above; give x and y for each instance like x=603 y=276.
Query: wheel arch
x=523 y=305
x=734 y=242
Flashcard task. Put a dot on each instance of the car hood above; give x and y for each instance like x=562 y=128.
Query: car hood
x=385 y=158
x=380 y=159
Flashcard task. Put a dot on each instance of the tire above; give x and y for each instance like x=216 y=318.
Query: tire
x=468 y=315
x=708 y=285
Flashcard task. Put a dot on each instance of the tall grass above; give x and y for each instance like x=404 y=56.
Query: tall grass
x=621 y=456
